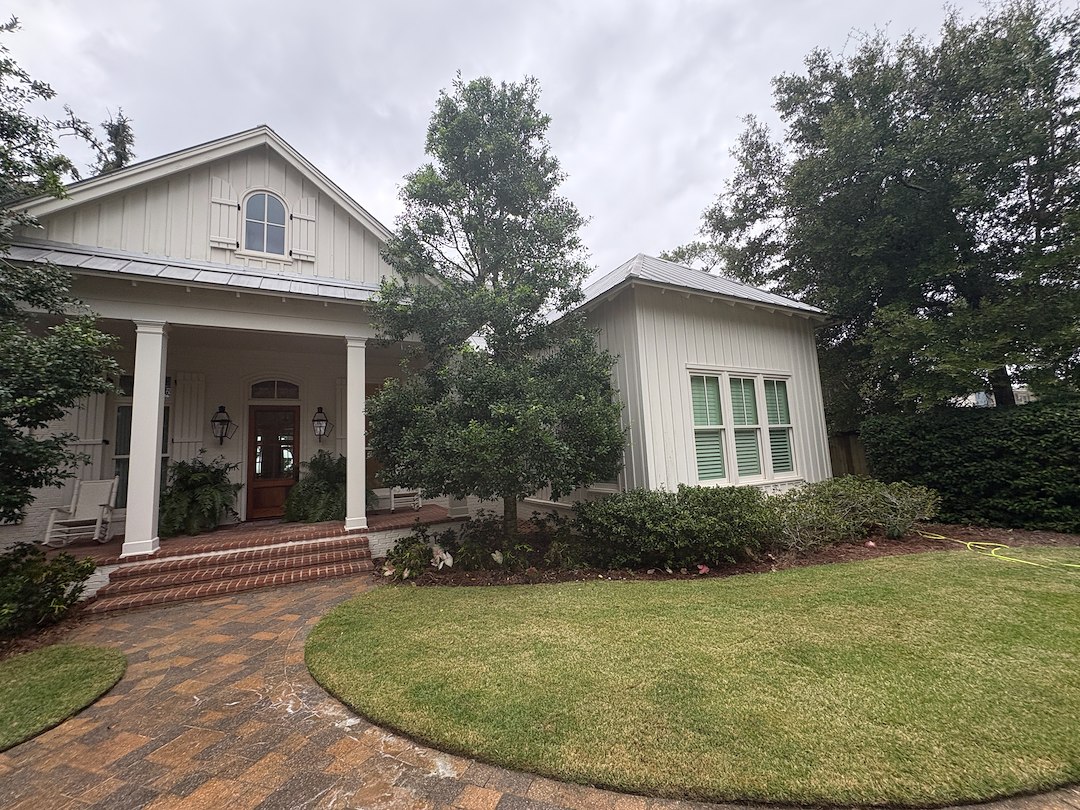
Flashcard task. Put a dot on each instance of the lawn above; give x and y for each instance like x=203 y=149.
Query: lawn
x=42 y=688
x=916 y=680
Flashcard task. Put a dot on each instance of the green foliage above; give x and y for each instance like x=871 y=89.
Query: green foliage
x=320 y=494
x=721 y=525
x=923 y=193
x=507 y=402
x=49 y=359
x=198 y=494
x=36 y=591
x=411 y=556
x=658 y=529
x=847 y=509
x=1012 y=467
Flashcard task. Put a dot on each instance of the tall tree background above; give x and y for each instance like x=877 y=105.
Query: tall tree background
x=51 y=353
x=509 y=398
x=925 y=194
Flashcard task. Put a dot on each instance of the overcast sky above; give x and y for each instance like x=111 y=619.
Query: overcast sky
x=645 y=97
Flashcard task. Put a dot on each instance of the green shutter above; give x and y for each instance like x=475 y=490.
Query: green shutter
x=776 y=402
x=709 y=446
x=747 y=453
x=743 y=402
x=705 y=395
x=780 y=447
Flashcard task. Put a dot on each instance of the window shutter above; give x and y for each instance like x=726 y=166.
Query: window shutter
x=224 y=214
x=776 y=402
x=709 y=446
x=303 y=229
x=780 y=447
x=747 y=454
x=705 y=395
x=743 y=404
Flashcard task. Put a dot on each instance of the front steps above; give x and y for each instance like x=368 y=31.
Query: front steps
x=178 y=579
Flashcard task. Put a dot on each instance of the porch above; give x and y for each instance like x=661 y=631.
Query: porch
x=243 y=557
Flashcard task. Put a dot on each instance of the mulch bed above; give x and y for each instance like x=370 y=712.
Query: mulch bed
x=44 y=637
x=879 y=547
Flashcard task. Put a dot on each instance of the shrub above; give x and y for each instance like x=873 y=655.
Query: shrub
x=199 y=493
x=36 y=591
x=411 y=556
x=657 y=529
x=480 y=544
x=1013 y=467
x=846 y=509
x=320 y=494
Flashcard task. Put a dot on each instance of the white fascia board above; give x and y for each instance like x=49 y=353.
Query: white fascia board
x=157 y=168
x=634 y=281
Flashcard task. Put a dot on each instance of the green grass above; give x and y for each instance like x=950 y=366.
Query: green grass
x=41 y=689
x=916 y=680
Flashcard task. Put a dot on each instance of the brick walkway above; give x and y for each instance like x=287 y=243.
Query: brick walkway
x=217 y=710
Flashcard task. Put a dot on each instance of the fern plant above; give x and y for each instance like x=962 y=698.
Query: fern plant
x=198 y=495
x=320 y=493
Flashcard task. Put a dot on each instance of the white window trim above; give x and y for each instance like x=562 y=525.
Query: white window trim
x=243 y=250
x=731 y=467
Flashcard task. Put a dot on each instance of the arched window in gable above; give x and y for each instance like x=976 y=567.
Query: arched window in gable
x=264 y=224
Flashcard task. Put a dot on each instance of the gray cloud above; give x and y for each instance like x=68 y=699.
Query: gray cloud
x=645 y=97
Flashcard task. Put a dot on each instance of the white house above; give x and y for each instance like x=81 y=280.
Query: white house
x=236 y=275
x=719 y=380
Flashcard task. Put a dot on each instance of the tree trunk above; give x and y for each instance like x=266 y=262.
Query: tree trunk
x=1001 y=385
x=510 y=518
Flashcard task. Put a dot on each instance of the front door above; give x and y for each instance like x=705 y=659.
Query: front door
x=273 y=467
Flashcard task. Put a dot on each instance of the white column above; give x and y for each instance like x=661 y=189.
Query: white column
x=355 y=444
x=147 y=420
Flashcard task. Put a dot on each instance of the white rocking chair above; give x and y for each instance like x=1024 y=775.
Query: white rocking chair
x=407 y=497
x=88 y=517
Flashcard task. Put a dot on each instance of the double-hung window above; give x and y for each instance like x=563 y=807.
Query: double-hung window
x=779 y=415
x=731 y=439
x=122 y=441
x=708 y=427
x=744 y=414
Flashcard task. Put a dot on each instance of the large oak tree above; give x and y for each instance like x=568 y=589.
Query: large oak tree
x=925 y=193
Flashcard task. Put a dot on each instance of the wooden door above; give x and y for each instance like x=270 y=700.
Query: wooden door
x=273 y=458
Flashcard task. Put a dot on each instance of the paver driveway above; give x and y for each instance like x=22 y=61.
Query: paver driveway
x=217 y=710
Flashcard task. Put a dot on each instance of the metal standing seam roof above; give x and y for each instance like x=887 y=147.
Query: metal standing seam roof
x=669 y=274
x=107 y=261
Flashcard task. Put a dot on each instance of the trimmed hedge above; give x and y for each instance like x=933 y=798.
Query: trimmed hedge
x=1016 y=467
x=657 y=529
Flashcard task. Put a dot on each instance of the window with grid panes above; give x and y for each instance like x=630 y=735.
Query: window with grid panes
x=779 y=418
x=747 y=431
x=708 y=427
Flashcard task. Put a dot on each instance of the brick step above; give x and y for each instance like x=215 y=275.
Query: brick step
x=212 y=570
x=248 y=555
x=221 y=587
x=232 y=538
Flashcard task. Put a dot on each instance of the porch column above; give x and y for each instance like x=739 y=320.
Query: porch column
x=355 y=445
x=147 y=420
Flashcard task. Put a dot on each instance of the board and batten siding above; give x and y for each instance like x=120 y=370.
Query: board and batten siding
x=185 y=216
x=616 y=321
x=680 y=334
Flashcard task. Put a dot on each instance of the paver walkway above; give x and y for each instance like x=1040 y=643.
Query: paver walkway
x=217 y=710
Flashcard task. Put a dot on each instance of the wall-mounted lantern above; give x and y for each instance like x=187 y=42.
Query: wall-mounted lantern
x=222 y=425
x=321 y=424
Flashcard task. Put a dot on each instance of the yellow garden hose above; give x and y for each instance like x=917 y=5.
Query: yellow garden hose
x=994 y=550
